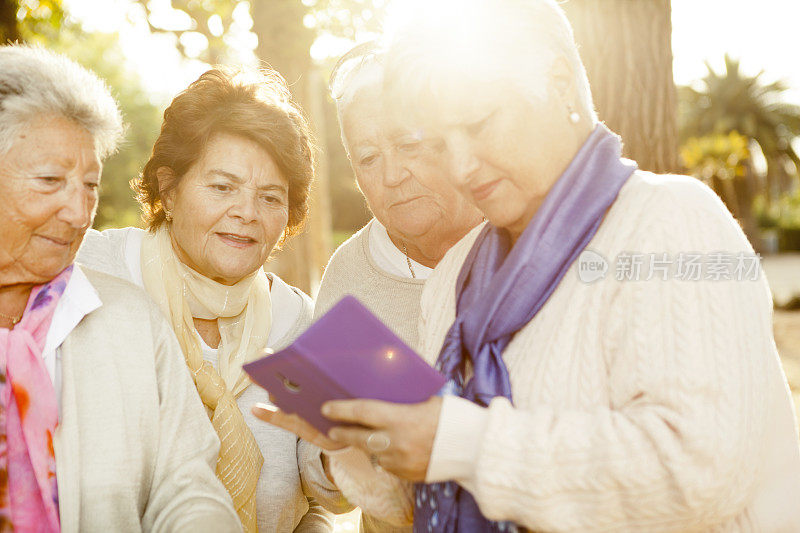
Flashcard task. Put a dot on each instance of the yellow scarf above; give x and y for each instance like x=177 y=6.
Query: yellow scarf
x=244 y=316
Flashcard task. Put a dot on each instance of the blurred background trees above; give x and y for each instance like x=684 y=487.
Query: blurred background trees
x=626 y=48
x=736 y=132
x=732 y=130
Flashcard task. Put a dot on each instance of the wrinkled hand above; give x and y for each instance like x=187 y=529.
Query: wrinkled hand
x=410 y=429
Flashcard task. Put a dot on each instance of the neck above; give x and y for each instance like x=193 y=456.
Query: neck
x=425 y=253
x=582 y=132
x=13 y=299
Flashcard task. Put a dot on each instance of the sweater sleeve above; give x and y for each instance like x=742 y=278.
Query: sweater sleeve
x=316 y=484
x=377 y=492
x=675 y=449
x=185 y=494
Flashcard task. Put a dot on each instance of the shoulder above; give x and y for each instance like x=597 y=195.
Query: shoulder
x=677 y=209
x=345 y=268
x=121 y=298
x=292 y=311
x=350 y=252
x=446 y=272
x=669 y=189
x=105 y=251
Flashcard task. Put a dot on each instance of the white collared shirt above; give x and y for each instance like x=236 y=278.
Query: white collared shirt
x=79 y=299
x=391 y=259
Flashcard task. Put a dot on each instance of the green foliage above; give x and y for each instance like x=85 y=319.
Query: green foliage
x=716 y=156
x=211 y=20
x=789 y=208
x=732 y=101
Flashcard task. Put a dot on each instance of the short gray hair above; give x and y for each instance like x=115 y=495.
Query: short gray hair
x=515 y=41
x=35 y=82
x=359 y=70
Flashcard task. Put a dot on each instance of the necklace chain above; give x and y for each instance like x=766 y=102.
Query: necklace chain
x=14 y=319
x=408 y=262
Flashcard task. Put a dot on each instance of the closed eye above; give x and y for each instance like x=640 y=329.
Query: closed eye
x=410 y=146
x=367 y=160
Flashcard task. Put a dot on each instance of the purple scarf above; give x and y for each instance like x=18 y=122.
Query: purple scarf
x=501 y=288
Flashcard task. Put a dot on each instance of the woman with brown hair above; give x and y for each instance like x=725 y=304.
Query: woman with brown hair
x=228 y=180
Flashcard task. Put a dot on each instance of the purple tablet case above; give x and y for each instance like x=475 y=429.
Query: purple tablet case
x=347 y=353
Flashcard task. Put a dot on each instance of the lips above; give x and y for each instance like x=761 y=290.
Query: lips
x=236 y=240
x=406 y=201
x=57 y=241
x=482 y=192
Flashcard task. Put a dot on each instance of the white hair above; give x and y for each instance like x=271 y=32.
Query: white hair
x=36 y=82
x=365 y=77
x=444 y=43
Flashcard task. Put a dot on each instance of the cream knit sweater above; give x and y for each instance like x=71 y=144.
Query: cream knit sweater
x=644 y=405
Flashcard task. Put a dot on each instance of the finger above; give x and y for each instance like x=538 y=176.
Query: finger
x=352 y=437
x=370 y=413
x=294 y=424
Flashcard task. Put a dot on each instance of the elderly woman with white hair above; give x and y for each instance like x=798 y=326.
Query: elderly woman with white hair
x=647 y=398
x=418 y=215
x=100 y=427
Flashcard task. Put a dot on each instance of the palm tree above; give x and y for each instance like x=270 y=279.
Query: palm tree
x=732 y=101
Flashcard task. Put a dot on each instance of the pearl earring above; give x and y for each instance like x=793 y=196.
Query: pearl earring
x=574 y=117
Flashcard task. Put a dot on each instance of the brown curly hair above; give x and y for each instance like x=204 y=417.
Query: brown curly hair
x=252 y=104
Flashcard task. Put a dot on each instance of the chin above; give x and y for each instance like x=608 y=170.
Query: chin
x=411 y=226
x=234 y=274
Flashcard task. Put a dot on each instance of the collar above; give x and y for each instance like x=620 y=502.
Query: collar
x=390 y=258
x=79 y=299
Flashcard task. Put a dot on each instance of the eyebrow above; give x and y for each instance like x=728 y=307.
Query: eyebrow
x=240 y=180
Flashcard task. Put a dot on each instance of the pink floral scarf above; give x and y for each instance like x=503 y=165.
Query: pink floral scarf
x=28 y=417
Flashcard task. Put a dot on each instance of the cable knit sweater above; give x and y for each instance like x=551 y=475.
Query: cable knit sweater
x=651 y=405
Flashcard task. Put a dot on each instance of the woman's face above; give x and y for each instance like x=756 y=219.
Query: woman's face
x=229 y=210
x=48 y=197
x=404 y=182
x=506 y=151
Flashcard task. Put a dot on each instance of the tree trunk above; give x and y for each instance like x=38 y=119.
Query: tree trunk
x=284 y=44
x=626 y=47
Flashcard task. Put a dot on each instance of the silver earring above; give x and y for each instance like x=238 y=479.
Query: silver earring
x=574 y=117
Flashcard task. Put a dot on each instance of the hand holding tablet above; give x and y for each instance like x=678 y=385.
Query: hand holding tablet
x=347 y=354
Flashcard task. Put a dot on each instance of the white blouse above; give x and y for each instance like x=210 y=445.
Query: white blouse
x=391 y=259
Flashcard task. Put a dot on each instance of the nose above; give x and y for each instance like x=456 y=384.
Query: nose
x=395 y=171
x=78 y=206
x=244 y=207
x=462 y=161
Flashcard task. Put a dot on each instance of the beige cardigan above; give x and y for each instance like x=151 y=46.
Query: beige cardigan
x=650 y=405
x=134 y=449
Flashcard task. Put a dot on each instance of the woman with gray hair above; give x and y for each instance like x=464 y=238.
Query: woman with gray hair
x=648 y=397
x=100 y=427
x=418 y=215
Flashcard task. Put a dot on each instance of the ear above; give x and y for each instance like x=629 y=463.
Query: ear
x=166 y=189
x=562 y=80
